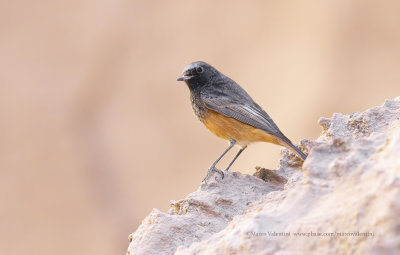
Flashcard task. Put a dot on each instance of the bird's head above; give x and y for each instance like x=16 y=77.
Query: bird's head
x=197 y=74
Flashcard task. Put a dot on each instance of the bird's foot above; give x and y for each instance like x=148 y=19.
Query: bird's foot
x=213 y=169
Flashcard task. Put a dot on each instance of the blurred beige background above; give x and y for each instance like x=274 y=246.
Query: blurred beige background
x=95 y=131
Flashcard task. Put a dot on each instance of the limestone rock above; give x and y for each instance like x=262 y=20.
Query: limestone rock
x=344 y=199
x=200 y=214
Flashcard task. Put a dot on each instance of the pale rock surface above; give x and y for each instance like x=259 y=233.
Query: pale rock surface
x=344 y=199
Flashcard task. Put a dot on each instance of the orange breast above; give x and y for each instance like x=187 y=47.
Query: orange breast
x=230 y=128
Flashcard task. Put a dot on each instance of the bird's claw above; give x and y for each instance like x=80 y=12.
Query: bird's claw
x=213 y=169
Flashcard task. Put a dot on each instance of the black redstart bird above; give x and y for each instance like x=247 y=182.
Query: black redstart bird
x=229 y=112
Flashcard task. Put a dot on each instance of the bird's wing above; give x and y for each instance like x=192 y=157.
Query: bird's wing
x=244 y=110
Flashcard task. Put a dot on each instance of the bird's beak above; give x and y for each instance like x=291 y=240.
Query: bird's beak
x=184 y=78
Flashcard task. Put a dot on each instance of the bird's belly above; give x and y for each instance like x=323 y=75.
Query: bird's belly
x=229 y=128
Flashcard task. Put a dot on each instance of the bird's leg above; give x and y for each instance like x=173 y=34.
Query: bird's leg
x=213 y=168
x=237 y=155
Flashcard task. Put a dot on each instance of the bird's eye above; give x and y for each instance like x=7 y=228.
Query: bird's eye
x=199 y=69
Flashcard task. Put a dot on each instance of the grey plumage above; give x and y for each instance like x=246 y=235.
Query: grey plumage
x=223 y=95
x=240 y=106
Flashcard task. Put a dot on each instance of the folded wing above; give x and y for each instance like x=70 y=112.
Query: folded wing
x=242 y=110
